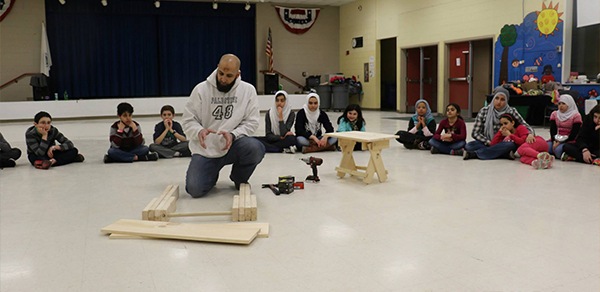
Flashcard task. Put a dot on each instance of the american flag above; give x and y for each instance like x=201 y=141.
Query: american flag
x=269 y=50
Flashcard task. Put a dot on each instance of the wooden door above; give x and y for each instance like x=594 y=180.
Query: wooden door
x=413 y=78
x=459 y=74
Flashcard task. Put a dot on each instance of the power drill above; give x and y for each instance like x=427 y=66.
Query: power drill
x=313 y=162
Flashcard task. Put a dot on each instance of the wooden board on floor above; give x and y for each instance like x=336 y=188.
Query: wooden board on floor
x=182 y=231
x=263 y=233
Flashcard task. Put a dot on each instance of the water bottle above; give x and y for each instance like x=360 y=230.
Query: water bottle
x=66 y=96
x=56 y=96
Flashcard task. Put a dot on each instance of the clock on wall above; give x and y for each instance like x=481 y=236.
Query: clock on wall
x=357 y=42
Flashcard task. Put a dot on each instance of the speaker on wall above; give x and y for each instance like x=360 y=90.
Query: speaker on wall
x=271 y=83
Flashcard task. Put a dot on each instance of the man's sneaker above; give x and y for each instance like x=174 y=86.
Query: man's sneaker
x=458 y=152
x=434 y=150
x=107 y=159
x=469 y=155
x=79 y=158
x=537 y=164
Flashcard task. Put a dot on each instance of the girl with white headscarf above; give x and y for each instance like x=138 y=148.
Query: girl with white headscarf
x=564 y=125
x=279 y=121
x=309 y=123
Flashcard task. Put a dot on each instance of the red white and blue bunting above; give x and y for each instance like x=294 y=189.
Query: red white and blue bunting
x=297 y=20
x=5 y=7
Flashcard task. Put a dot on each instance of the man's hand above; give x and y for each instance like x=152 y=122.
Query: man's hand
x=530 y=139
x=228 y=139
x=202 y=135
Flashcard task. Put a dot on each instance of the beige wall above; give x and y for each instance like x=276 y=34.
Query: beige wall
x=20 y=43
x=425 y=22
x=315 y=52
x=357 y=19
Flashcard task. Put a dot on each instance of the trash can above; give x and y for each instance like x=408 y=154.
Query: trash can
x=312 y=82
x=339 y=97
x=324 y=92
x=39 y=84
x=271 y=83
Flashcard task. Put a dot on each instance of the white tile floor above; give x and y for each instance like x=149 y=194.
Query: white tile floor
x=438 y=224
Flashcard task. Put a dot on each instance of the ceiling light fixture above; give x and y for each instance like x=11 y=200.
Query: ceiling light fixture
x=247 y=7
x=62 y=2
x=157 y=4
x=104 y=3
x=215 y=5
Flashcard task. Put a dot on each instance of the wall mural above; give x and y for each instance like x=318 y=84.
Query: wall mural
x=531 y=50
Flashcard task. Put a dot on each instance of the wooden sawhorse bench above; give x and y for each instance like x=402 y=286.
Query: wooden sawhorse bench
x=374 y=142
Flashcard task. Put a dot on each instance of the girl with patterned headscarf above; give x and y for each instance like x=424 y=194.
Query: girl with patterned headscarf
x=420 y=128
x=564 y=125
x=279 y=121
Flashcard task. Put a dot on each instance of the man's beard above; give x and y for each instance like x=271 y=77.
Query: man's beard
x=225 y=88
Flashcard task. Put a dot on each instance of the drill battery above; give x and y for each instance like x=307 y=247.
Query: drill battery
x=286 y=184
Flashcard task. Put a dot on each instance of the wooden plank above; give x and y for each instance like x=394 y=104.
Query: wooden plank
x=167 y=206
x=247 y=203
x=254 y=208
x=182 y=231
x=241 y=206
x=150 y=206
x=263 y=233
x=235 y=208
x=166 y=201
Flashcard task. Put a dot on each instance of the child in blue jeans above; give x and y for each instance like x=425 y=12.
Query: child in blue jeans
x=455 y=133
x=126 y=140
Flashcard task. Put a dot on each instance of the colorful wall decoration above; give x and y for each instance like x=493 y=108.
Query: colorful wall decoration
x=532 y=49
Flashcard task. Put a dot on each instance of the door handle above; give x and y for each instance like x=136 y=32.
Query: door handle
x=458 y=79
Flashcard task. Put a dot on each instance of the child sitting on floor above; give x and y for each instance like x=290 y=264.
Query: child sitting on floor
x=126 y=140
x=455 y=133
x=279 y=121
x=169 y=138
x=420 y=128
x=47 y=146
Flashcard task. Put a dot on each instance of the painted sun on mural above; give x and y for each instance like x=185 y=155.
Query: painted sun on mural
x=547 y=19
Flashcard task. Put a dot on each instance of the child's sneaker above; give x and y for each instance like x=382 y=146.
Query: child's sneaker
x=537 y=164
x=107 y=159
x=434 y=150
x=566 y=157
x=42 y=164
x=458 y=152
x=153 y=156
x=79 y=158
x=469 y=155
x=596 y=161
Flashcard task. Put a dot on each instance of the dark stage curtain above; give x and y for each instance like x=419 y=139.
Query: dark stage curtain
x=132 y=49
